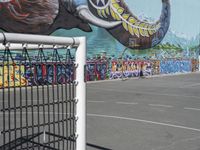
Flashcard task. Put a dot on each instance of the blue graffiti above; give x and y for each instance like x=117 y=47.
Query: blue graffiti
x=174 y=66
x=91 y=71
x=101 y=71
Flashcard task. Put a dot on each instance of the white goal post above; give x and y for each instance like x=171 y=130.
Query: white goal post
x=17 y=41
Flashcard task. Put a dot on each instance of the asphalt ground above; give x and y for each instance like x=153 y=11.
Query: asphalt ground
x=160 y=113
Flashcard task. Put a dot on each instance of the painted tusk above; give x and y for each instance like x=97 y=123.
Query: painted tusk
x=85 y=14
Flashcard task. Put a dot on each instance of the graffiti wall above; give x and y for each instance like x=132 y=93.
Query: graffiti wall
x=35 y=74
x=199 y=63
x=195 y=65
x=155 y=67
x=56 y=73
x=175 y=66
x=112 y=25
x=156 y=33
x=53 y=73
x=97 y=70
x=12 y=75
x=130 y=69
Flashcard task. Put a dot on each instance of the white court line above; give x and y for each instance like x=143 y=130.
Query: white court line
x=95 y=101
x=144 y=121
x=127 y=103
x=159 y=105
x=191 y=85
x=196 y=109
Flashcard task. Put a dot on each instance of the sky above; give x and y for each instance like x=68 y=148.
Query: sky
x=184 y=14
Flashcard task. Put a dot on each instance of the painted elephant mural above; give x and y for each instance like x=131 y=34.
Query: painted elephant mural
x=45 y=16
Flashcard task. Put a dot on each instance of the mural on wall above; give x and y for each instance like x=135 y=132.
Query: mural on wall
x=57 y=73
x=199 y=62
x=195 y=65
x=44 y=17
x=135 y=33
x=155 y=67
x=12 y=75
x=130 y=69
x=175 y=66
x=35 y=74
x=97 y=70
x=115 y=24
x=53 y=73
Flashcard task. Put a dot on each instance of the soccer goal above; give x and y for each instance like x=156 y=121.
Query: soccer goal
x=42 y=92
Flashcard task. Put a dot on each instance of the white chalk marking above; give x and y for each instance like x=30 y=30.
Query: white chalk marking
x=196 y=109
x=191 y=85
x=127 y=103
x=95 y=101
x=144 y=121
x=159 y=105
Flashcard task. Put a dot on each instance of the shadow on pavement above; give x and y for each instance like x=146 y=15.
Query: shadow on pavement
x=97 y=147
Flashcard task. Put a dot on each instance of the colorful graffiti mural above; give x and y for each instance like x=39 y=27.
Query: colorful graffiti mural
x=44 y=17
x=97 y=70
x=12 y=75
x=155 y=67
x=120 y=27
x=199 y=62
x=130 y=69
x=174 y=66
x=35 y=74
x=195 y=65
x=57 y=73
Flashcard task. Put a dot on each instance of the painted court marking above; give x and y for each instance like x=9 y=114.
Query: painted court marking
x=144 y=121
x=196 y=109
x=95 y=101
x=127 y=103
x=159 y=105
x=191 y=85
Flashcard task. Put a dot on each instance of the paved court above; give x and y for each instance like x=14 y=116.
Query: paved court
x=161 y=113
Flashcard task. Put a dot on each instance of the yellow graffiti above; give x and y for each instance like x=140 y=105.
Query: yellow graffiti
x=118 y=66
x=12 y=75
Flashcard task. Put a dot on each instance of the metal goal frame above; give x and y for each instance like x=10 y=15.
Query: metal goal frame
x=17 y=41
